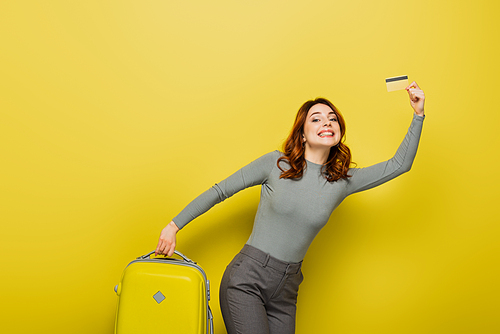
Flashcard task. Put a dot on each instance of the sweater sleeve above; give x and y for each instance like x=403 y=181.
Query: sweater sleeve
x=369 y=177
x=252 y=174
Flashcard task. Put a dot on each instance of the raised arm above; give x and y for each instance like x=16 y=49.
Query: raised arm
x=369 y=177
x=252 y=174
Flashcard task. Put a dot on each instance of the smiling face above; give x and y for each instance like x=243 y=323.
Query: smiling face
x=321 y=128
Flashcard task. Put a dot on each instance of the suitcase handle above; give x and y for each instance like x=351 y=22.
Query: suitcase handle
x=184 y=257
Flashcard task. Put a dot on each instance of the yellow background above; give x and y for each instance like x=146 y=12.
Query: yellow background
x=115 y=114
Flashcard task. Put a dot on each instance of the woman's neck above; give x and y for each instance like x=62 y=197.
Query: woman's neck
x=316 y=156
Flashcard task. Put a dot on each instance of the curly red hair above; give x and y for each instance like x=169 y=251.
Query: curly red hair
x=339 y=159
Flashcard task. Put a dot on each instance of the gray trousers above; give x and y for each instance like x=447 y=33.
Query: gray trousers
x=258 y=294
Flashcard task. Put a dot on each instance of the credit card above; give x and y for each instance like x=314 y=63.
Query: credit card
x=396 y=83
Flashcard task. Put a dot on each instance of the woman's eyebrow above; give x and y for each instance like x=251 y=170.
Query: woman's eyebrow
x=317 y=112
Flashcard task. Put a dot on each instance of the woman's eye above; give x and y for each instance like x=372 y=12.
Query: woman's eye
x=333 y=119
x=315 y=120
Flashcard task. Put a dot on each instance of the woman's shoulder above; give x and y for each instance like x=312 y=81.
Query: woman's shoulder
x=278 y=153
x=271 y=157
x=268 y=158
x=265 y=164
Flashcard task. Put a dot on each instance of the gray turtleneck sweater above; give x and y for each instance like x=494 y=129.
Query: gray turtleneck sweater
x=291 y=212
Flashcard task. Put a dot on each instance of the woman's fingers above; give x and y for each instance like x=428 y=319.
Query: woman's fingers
x=159 y=248
x=163 y=249
x=171 y=250
x=417 y=98
x=412 y=85
x=168 y=250
x=416 y=94
x=414 y=90
x=166 y=242
x=162 y=245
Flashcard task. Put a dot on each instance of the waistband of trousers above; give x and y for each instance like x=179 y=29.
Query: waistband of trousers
x=268 y=261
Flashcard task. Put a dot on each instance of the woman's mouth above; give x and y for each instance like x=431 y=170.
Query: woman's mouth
x=326 y=134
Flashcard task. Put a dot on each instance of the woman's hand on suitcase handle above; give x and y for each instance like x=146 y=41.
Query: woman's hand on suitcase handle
x=166 y=243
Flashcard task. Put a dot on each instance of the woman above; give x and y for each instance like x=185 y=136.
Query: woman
x=300 y=189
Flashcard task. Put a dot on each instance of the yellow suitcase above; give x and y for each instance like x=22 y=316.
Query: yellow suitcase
x=163 y=295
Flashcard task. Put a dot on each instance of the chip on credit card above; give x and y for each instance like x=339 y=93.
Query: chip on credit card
x=396 y=83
